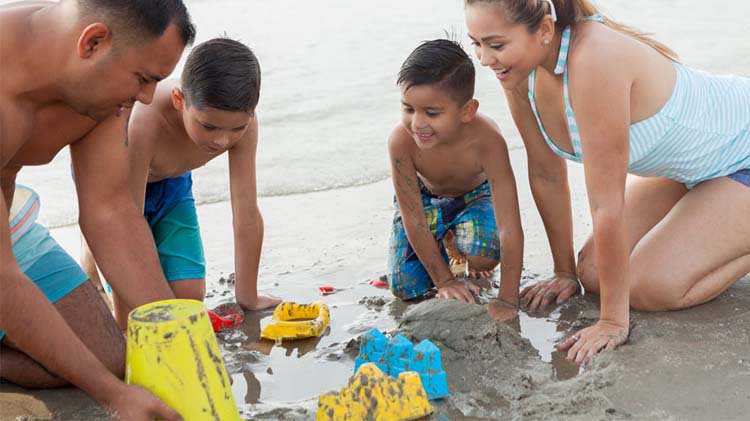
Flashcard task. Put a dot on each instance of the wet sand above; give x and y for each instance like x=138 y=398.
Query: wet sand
x=692 y=364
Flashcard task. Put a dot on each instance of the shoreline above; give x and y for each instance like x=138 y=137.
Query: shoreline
x=690 y=364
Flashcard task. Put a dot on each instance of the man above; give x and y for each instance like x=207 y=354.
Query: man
x=71 y=71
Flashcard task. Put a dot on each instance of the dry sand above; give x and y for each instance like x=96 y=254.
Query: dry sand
x=692 y=364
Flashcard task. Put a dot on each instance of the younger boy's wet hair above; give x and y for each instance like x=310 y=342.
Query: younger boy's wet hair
x=136 y=20
x=443 y=63
x=222 y=73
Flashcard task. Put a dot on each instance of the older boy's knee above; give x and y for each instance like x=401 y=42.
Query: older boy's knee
x=189 y=289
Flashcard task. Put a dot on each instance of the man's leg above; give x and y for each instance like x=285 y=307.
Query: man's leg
x=64 y=283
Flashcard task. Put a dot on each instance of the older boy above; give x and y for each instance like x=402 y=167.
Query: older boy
x=190 y=122
x=450 y=170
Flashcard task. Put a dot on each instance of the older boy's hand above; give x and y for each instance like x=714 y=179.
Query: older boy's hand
x=263 y=302
x=457 y=290
x=558 y=289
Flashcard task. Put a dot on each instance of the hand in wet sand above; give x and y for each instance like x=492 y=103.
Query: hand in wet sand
x=558 y=289
x=263 y=302
x=135 y=403
x=501 y=311
x=586 y=343
x=457 y=290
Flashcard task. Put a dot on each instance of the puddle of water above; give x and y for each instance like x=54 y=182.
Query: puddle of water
x=262 y=371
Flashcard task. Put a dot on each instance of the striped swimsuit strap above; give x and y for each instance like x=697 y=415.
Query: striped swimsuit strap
x=562 y=68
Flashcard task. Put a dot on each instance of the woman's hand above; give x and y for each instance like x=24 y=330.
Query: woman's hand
x=588 y=342
x=558 y=288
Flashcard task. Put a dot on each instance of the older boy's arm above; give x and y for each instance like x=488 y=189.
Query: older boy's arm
x=247 y=221
x=548 y=178
x=417 y=229
x=499 y=173
x=113 y=225
x=36 y=328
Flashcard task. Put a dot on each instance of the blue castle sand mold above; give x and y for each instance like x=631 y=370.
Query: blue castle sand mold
x=398 y=355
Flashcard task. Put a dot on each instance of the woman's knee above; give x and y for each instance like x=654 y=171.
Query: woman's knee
x=586 y=270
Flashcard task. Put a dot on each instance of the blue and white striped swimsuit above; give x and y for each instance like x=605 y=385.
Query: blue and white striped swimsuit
x=701 y=133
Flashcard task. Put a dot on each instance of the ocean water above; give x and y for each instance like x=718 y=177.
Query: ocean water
x=329 y=100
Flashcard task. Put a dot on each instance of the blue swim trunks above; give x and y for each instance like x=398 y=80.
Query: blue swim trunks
x=39 y=256
x=742 y=176
x=471 y=217
x=170 y=211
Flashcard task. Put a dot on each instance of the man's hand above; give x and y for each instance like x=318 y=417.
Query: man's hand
x=501 y=311
x=263 y=302
x=134 y=403
x=457 y=290
x=585 y=344
x=559 y=289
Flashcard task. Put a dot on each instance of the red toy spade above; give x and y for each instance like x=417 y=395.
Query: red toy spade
x=226 y=316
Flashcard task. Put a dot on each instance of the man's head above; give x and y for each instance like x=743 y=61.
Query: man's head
x=437 y=90
x=123 y=48
x=220 y=88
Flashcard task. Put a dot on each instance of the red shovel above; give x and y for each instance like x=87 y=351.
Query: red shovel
x=226 y=316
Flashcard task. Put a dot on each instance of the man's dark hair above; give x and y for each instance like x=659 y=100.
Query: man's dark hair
x=139 y=19
x=222 y=73
x=440 y=62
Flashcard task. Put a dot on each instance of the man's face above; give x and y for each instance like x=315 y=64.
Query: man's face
x=123 y=75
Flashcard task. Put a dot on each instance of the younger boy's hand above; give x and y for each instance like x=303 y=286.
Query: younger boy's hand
x=457 y=290
x=263 y=302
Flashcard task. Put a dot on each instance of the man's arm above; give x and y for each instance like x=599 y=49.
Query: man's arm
x=497 y=168
x=418 y=232
x=247 y=221
x=112 y=223
x=35 y=326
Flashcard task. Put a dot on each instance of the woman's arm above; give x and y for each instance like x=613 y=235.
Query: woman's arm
x=548 y=178
x=600 y=95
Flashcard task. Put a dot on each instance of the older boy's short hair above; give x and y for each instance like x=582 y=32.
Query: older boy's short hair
x=441 y=62
x=139 y=20
x=222 y=73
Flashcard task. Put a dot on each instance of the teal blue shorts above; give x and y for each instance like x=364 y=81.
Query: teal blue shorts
x=170 y=212
x=42 y=259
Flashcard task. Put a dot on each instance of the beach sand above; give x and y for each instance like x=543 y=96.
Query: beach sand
x=691 y=364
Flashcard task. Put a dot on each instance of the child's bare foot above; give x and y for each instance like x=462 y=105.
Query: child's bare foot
x=459 y=264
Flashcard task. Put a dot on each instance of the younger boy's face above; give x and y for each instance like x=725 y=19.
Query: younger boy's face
x=429 y=115
x=213 y=130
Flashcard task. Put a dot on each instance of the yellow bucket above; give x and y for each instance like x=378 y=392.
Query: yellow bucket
x=172 y=351
x=296 y=321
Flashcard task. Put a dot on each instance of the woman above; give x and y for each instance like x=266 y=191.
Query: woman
x=585 y=88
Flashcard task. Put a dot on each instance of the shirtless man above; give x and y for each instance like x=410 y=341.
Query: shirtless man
x=70 y=72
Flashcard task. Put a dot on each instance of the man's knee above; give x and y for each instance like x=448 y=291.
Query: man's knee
x=189 y=289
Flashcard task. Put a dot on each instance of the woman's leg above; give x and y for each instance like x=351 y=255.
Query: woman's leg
x=697 y=251
x=647 y=201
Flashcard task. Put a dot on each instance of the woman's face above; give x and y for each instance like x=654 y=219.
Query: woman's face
x=506 y=48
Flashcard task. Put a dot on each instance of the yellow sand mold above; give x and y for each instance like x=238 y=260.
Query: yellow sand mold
x=172 y=352
x=374 y=395
x=296 y=321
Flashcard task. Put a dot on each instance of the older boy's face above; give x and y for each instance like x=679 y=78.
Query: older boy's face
x=213 y=130
x=429 y=115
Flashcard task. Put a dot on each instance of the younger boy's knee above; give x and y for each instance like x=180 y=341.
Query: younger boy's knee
x=406 y=286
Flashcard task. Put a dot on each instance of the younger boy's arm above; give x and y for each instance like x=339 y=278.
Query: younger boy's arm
x=499 y=173
x=247 y=221
x=417 y=229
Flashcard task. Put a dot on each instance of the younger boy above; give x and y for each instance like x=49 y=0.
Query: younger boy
x=451 y=169
x=211 y=110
